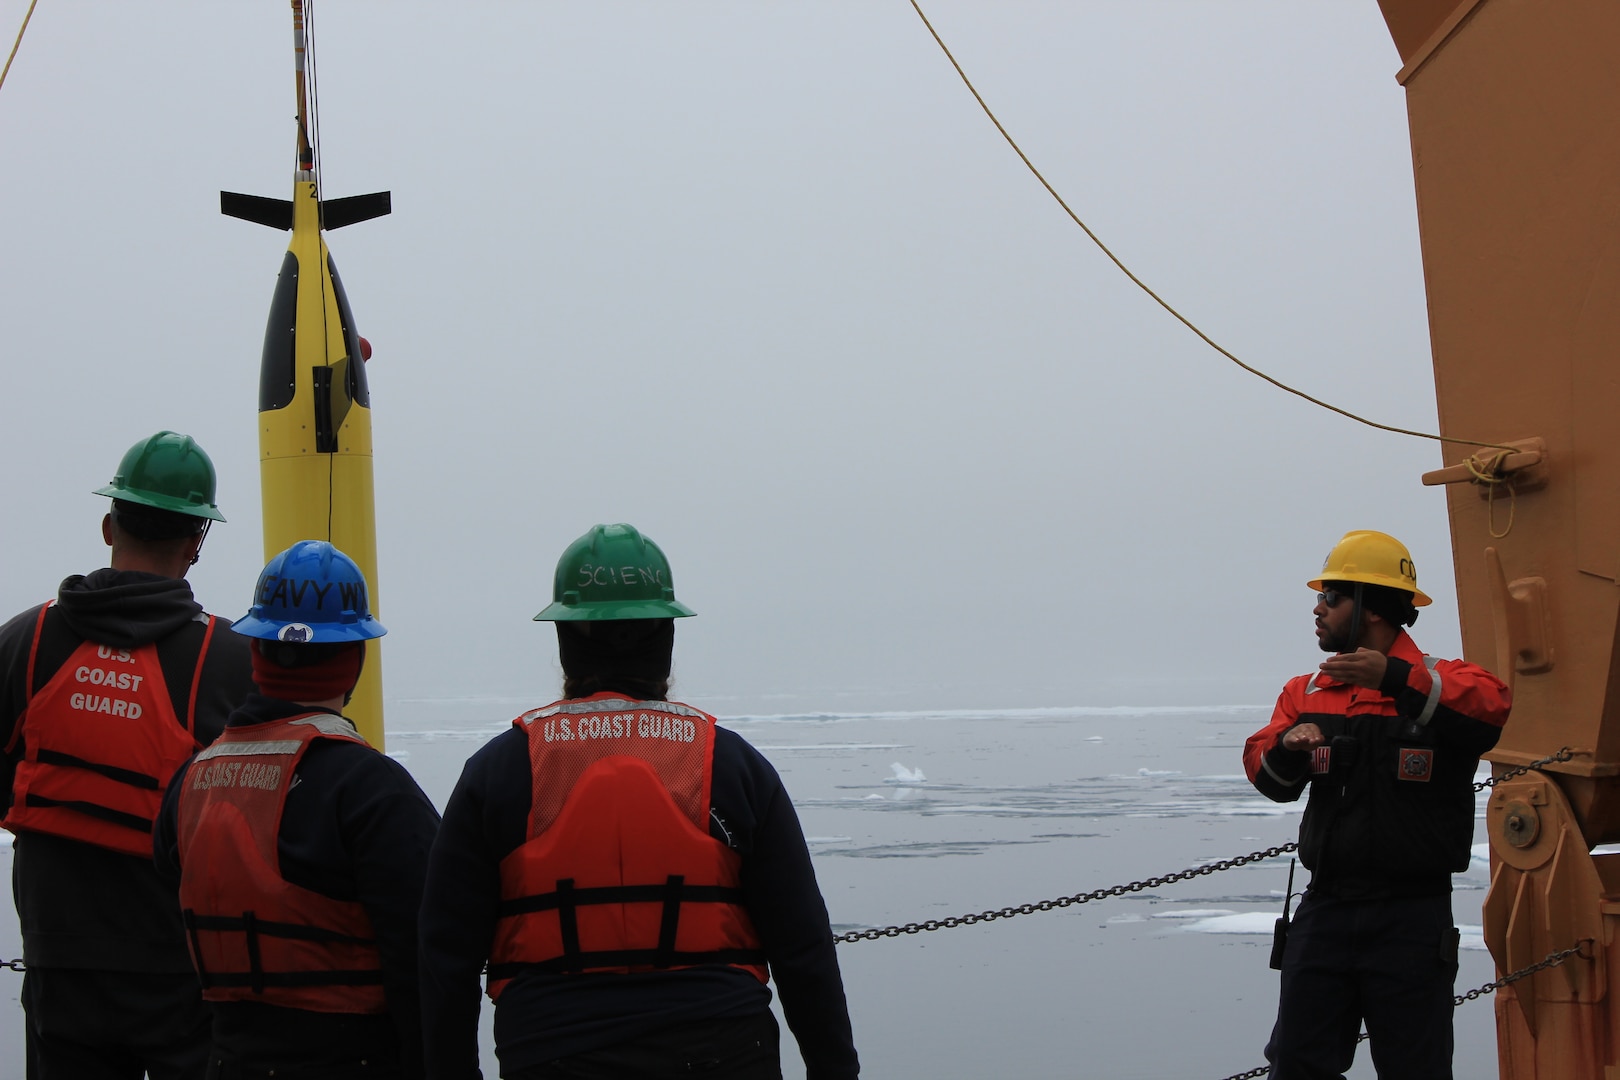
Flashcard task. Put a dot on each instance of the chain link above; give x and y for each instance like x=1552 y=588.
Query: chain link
x=953 y=921
x=1564 y=754
x=1551 y=960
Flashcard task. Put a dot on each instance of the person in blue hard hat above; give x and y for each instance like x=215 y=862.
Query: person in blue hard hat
x=633 y=874
x=299 y=851
x=104 y=691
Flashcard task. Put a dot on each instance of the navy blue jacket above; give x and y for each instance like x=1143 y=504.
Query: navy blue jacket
x=356 y=827
x=542 y=1017
x=83 y=906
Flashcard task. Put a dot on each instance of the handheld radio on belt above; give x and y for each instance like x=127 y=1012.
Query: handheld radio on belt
x=1279 y=933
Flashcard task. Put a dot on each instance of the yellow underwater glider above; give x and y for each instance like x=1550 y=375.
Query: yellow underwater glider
x=314 y=405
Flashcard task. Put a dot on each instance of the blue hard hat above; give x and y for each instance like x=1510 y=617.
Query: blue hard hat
x=311 y=592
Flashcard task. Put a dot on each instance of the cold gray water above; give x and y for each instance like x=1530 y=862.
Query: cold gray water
x=919 y=815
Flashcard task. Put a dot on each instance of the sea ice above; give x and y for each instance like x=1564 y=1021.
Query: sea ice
x=903 y=775
x=1245 y=922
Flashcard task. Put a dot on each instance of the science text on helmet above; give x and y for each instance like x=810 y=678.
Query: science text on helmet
x=589 y=575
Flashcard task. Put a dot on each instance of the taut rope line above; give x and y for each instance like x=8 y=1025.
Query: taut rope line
x=1140 y=284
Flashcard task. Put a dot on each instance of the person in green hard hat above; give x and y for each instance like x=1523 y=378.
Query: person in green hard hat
x=630 y=876
x=104 y=692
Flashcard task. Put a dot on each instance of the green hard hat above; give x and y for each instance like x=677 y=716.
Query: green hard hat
x=169 y=472
x=613 y=572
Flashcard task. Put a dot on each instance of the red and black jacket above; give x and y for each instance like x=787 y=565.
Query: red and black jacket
x=1391 y=809
x=619 y=872
x=100 y=740
x=253 y=935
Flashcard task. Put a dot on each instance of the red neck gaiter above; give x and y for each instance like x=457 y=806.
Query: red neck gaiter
x=333 y=677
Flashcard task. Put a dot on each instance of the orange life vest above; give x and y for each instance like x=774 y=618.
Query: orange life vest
x=254 y=936
x=619 y=872
x=101 y=740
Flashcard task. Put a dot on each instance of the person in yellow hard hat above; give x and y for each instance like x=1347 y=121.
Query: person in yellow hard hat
x=1386 y=741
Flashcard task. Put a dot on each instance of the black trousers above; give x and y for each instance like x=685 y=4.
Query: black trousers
x=745 y=1049
x=1392 y=963
x=111 y=1025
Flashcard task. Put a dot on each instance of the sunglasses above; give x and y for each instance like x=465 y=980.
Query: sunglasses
x=1329 y=598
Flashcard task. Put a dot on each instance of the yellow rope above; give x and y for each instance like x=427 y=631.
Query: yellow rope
x=1139 y=283
x=1486 y=473
x=18 y=43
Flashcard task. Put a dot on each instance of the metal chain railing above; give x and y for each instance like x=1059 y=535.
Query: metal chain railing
x=1563 y=754
x=1065 y=901
x=953 y=921
x=1551 y=960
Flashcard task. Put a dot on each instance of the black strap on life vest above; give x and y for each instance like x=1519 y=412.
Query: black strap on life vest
x=96 y=810
x=90 y=809
x=111 y=772
x=256 y=978
x=671 y=894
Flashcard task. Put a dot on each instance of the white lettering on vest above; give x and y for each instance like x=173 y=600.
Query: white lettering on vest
x=668 y=728
x=112 y=706
x=601 y=727
x=619 y=726
x=113 y=680
x=264 y=775
x=121 y=655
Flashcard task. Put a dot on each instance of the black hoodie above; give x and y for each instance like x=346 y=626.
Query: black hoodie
x=82 y=906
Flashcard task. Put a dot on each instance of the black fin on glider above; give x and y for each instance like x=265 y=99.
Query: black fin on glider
x=276 y=213
x=336 y=213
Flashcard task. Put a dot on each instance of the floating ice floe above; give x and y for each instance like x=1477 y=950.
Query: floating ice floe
x=1243 y=922
x=903 y=775
x=1262 y=923
x=1158 y=772
x=763 y=748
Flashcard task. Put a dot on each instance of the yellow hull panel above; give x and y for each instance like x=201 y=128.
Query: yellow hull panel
x=315 y=450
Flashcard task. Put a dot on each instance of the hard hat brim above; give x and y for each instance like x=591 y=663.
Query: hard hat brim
x=161 y=502
x=606 y=610
x=270 y=630
x=1419 y=597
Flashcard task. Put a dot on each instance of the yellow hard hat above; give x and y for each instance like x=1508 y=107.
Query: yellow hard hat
x=1373 y=558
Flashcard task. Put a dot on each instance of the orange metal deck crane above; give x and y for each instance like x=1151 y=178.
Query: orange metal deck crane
x=1515 y=119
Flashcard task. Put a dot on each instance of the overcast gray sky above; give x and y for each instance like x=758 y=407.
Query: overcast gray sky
x=762 y=280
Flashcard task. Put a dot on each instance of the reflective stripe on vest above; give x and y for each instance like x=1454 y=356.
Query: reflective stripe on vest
x=1433 y=703
x=1429 y=706
x=101 y=740
x=619 y=872
x=253 y=935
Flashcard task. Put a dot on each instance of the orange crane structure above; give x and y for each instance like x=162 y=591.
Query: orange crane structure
x=1514 y=108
